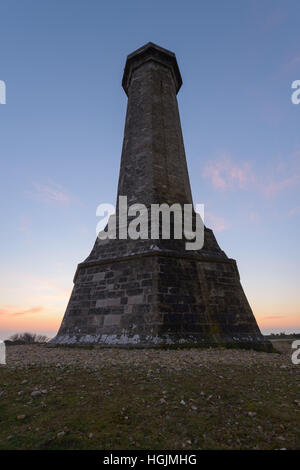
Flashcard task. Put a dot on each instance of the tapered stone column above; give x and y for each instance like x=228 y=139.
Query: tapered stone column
x=154 y=292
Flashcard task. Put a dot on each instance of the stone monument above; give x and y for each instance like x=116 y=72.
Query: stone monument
x=154 y=292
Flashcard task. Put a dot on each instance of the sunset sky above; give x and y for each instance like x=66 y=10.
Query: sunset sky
x=62 y=129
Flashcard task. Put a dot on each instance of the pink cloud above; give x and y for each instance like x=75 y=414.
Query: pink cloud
x=294 y=211
x=227 y=174
x=51 y=192
x=224 y=173
x=215 y=174
x=24 y=225
x=294 y=62
x=274 y=187
x=254 y=216
x=274 y=19
x=216 y=223
x=289 y=67
x=19 y=311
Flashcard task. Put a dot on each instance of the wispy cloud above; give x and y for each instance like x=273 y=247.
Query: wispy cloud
x=282 y=175
x=50 y=192
x=218 y=224
x=254 y=216
x=267 y=18
x=228 y=174
x=288 y=69
x=225 y=173
x=274 y=19
x=294 y=211
x=24 y=224
x=12 y=310
x=293 y=63
x=274 y=187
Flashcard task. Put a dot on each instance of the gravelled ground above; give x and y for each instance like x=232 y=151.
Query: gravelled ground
x=67 y=398
x=174 y=359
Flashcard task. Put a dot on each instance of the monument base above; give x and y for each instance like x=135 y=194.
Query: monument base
x=125 y=342
x=160 y=299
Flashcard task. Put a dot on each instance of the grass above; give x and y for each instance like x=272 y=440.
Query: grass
x=218 y=406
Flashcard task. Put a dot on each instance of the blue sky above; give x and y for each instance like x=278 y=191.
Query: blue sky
x=62 y=130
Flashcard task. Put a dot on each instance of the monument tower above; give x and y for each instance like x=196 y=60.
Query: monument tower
x=148 y=292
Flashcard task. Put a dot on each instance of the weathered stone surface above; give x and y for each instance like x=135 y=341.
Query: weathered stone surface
x=152 y=292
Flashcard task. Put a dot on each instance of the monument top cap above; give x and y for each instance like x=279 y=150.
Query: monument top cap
x=151 y=51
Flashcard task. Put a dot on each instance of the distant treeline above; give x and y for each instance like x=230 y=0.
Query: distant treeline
x=283 y=336
x=25 y=338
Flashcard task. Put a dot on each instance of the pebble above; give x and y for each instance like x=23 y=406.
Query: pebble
x=20 y=417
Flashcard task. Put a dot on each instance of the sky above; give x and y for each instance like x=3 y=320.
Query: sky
x=62 y=127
